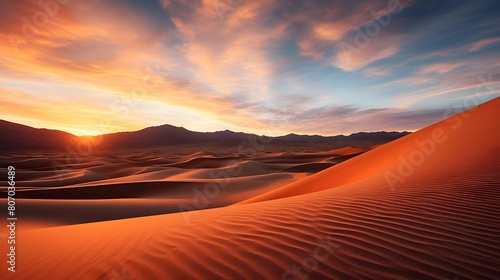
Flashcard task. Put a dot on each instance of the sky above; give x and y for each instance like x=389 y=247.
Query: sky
x=267 y=67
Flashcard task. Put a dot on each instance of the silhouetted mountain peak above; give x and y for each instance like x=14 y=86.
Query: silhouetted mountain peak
x=17 y=136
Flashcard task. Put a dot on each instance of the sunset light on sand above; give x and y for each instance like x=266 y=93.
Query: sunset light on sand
x=238 y=139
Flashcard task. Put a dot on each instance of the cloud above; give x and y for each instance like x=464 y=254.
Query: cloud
x=483 y=43
x=349 y=119
x=242 y=65
x=377 y=72
x=80 y=116
x=439 y=68
x=353 y=58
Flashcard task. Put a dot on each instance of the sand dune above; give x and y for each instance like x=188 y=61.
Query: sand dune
x=141 y=183
x=401 y=211
x=309 y=167
x=437 y=148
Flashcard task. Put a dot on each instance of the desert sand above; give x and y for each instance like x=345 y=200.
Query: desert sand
x=100 y=187
x=425 y=206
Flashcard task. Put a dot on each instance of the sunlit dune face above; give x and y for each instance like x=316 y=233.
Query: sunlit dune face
x=240 y=65
x=423 y=206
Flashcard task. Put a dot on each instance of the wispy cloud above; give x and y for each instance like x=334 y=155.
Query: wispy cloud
x=264 y=62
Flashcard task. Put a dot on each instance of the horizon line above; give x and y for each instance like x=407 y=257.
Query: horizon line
x=154 y=126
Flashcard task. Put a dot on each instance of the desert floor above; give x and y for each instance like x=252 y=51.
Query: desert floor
x=425 y=206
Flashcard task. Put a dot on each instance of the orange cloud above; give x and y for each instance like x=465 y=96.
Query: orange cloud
x=111 y=50
x=328 y=32
x=377 y=72
x=80 y=117
x=482 y=43
x=439 y=68
x=222 y=61
x=352 y=58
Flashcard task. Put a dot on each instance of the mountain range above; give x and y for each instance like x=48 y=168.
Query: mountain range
x=15 y=136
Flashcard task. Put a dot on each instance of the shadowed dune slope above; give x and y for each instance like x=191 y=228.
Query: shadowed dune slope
x=437 y=220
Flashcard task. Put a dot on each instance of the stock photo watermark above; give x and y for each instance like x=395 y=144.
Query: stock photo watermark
x=221 y=178
x=121 y=109
x=322 y=252
x=121 y=274
x=425 y=148
x=32 y=26
x=11 y=219
x=365 y=34
x=224 y=7
x=249 y=148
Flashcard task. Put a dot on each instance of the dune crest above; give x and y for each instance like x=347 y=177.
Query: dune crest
x=436 y=148
x=440 y=222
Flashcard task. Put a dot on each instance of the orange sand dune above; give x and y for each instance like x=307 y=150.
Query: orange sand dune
x=137 y=183
x=92 y=203
x=473 y=134
x=400 y=211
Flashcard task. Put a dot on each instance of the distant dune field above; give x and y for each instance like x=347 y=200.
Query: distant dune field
x=425 y=206
x=138 y=183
